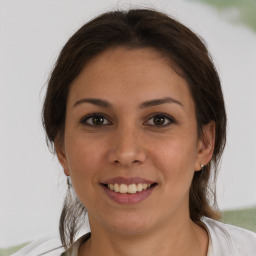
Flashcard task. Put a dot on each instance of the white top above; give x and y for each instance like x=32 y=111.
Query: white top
x=228 y=240
x=224 y=240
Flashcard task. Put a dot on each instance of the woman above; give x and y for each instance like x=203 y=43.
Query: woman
x=135 y=112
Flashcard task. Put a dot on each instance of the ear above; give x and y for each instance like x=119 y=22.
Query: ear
x=205 y=145
x=61 y=154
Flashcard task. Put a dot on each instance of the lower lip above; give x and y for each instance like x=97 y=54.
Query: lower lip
x=128 y=198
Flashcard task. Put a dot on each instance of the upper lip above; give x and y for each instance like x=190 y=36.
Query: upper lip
x=127 y=181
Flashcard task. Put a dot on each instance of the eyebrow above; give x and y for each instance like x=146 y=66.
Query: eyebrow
x=146 y=104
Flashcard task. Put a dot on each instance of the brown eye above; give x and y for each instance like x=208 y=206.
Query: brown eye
x=160 y=120
x=95 y=120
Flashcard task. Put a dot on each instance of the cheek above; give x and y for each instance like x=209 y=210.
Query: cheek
x=83 y=159
x=83 y=156
x=178 y=151
x=176 y=158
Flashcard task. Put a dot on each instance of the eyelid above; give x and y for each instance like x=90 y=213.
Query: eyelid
x=167 y=116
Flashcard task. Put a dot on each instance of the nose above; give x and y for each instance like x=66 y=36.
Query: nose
x=126 y=148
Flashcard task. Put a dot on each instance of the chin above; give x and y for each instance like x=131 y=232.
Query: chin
x=131 y=225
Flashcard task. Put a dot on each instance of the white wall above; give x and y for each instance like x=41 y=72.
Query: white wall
x=32 y=33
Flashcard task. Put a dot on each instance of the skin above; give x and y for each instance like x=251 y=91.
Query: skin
x=128 y=144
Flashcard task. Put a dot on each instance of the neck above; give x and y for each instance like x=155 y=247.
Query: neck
x=184 y=239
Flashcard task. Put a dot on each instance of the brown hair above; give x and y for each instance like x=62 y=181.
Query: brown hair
x=139 y=28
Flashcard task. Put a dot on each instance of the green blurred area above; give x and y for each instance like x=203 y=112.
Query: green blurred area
x=11 y=250
x=247 y=9
x=245 y=218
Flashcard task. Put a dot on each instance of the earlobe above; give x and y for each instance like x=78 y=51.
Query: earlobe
x=206 y=145
x=61 y=154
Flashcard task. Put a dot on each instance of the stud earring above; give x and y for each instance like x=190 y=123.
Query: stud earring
x=202 y=168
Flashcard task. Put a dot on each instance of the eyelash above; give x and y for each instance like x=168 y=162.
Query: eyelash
x=170 y=119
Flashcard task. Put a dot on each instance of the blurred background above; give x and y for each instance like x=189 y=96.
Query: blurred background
x=32 y=185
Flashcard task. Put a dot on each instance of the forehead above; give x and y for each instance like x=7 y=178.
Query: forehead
x=138 y=74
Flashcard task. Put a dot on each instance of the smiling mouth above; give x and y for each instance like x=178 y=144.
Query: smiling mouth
x=129 y=188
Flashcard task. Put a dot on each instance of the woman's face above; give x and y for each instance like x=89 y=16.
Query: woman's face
x=130 y=121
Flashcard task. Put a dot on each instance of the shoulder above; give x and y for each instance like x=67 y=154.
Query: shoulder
x=52 y=247
x=230 y=240
x=74 y=249
x=45 y=247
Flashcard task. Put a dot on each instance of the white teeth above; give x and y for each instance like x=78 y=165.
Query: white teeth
x=144 y=186
x=131 y=188
x=139 y=187
x=116 y=188
x=123 y=188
